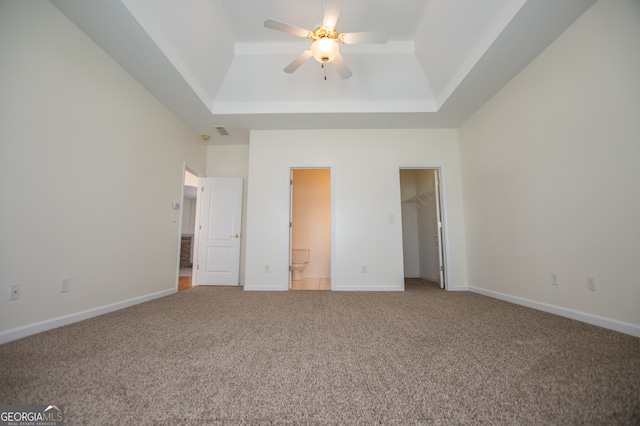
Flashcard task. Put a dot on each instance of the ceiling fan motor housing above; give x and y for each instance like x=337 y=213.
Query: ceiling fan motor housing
x=322 y=32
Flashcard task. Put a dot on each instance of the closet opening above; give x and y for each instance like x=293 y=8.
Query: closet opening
x=423 y=241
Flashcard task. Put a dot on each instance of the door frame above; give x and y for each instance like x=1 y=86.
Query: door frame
x=332 y=219
x=186 y=167
x=444 y=240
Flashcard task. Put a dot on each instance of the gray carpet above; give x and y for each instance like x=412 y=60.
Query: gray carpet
x=423 y=356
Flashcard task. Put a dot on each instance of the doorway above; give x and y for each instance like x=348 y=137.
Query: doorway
x=187 y=229
x=310 y=229
x=422 y=225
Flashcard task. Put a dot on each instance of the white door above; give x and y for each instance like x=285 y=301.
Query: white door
x=439 y=228
x=218 y=257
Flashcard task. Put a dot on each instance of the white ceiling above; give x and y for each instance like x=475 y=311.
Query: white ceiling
x=213 y=63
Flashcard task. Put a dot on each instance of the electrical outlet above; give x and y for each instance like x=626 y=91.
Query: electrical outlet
x=64 y=284
x=554 y=278
x=591 y=283
x=365 y=269
x=14 y=293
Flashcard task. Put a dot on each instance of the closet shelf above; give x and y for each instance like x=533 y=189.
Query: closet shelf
x=420 y=199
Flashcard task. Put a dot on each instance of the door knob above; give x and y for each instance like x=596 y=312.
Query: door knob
x=235 y=236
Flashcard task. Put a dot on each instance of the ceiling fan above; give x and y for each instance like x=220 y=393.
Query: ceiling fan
x=326 y=40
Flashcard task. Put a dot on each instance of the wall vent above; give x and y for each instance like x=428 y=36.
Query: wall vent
x=222 y=131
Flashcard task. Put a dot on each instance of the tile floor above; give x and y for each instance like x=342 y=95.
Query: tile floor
x=311 y=284
x=184 y=282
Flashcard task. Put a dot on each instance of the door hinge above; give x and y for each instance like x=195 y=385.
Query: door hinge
x=442 y=269
x=289 y=268
x=201 y=227
x=198 y=267
x=290 y=181
x=439 y=224
x=290 y=224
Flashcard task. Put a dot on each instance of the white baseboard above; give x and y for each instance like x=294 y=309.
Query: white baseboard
x=611 y=324
x=425 y=277
x=249 y=287
x=368 y=288
x=458 y=288
x=39 y=327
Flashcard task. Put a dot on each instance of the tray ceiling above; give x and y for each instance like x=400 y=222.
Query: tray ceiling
x=214 y=64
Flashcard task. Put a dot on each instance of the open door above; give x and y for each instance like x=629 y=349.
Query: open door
x=218 y=231
x=423 y=241
x=440 y=237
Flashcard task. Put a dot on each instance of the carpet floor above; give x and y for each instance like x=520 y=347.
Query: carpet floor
x=424 y=356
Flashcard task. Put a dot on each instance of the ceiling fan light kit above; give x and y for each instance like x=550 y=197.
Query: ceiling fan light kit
x=325 y=40
x=325 y=50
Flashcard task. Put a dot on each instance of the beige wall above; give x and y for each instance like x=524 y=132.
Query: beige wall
x=550 y=173
x=366 y=212
x=90 y=163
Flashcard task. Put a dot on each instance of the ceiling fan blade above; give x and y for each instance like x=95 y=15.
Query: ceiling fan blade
x=287 y=28
x=342 y=67
x=301 y=59
x=358 y=38
x=331 y=13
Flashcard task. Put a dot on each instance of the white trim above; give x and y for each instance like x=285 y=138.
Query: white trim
x=249 y=287
x=369 y=288
x=294 y=48
x=39 y=327
x=458 y=288
x=611 y=324
x=186 y=167
x=320 y=106
x=180 y=218
x=426 y=278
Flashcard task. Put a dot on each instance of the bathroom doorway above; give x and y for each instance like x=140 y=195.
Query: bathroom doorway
x=310 y=229
x=423 y=241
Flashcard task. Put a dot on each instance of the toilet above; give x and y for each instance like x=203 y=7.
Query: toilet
x=299 y=259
